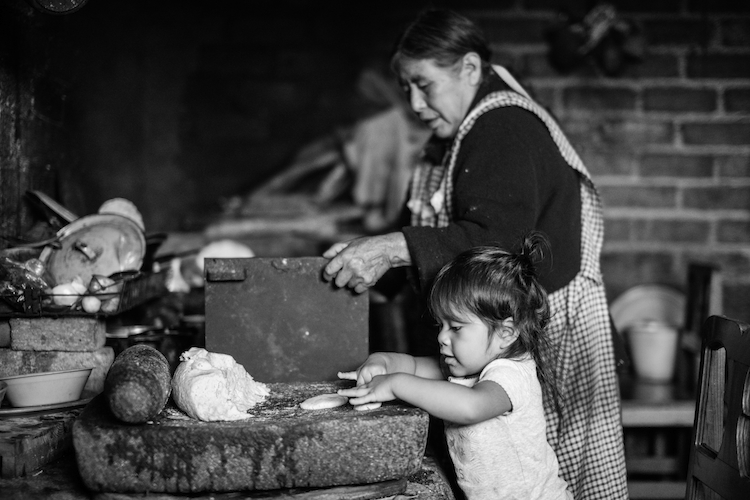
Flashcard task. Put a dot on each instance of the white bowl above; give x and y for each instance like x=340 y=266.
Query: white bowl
x=48 y=388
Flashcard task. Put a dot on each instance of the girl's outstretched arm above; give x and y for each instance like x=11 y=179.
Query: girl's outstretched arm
x=382 y=363
x=440 y=398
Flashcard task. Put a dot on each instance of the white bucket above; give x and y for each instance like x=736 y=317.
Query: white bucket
x=653 y=346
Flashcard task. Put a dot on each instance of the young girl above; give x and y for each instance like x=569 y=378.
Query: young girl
x=493 y=314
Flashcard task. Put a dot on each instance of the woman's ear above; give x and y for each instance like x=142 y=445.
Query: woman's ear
x=472 y=67
x=508 y=333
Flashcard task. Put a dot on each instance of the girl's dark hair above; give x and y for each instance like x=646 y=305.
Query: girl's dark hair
x=494 y=284
x=442 y=35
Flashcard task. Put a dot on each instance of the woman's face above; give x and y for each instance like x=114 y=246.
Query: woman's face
x=467 y=345
x=440 y=96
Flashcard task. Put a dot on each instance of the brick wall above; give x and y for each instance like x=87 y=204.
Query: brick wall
x=173 y=106
x=667 y=141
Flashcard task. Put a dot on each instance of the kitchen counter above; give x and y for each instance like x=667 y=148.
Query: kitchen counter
x=59 y=480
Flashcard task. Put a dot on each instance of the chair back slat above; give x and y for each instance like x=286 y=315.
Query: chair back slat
x=720 y=451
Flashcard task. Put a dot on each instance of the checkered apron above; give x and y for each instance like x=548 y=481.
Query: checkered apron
x=585 y=429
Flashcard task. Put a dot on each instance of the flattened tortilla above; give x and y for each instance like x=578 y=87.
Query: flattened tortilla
x=323 y=401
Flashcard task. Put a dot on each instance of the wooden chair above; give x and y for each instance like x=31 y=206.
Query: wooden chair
x=719 y=465
x=704 y=298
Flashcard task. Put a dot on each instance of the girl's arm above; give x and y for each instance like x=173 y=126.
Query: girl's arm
x=382 y=363
x=428 y=367
x=440 y=398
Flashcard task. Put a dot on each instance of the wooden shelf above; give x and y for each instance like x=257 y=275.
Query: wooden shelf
x=656 y=419
x=657 y=489
x=636 y=413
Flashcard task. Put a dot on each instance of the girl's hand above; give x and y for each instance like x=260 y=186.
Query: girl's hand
x=378 y=390
x=375 y=364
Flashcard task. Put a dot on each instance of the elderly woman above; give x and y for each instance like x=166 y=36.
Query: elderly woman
x=496 y=167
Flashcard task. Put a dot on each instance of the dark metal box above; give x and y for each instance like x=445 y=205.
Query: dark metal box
x=280 y=319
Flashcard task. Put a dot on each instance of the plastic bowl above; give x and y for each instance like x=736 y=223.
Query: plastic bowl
x=48 y=388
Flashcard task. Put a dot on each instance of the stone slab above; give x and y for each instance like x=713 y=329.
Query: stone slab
x=57 y=334
x=280 y=447
x=279 y=319
x=14 y=362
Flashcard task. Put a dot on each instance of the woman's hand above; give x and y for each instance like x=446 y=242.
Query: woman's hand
x=378 y=390
x=361 y=262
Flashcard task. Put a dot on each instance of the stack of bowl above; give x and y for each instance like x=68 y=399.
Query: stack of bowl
x=47 y=388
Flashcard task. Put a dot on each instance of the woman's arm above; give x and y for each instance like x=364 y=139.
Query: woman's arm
x=361 y=262
x=440 y=398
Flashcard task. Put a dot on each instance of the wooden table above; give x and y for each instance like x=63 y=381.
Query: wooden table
x=60 y=480
x=29 y=442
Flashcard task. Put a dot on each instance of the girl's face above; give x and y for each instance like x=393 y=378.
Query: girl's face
x=441 y=96
x=467 y=345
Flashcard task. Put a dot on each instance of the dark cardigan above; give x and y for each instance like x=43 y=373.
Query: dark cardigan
x=509 y=178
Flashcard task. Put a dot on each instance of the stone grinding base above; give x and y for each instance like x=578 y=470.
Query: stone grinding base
x=281 y=447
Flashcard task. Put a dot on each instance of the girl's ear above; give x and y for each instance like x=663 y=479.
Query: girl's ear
x=508 y=333
x=472 y=67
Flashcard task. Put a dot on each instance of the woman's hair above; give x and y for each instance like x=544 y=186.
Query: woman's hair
x=494 y=284
x=441 y=35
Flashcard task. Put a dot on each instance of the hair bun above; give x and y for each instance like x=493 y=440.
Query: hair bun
x=532 y=251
